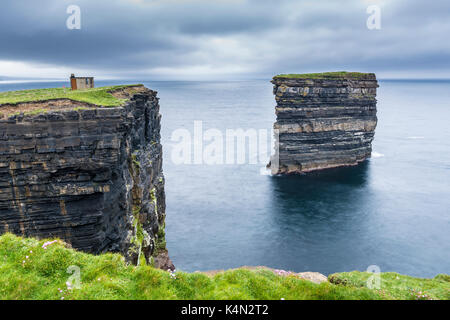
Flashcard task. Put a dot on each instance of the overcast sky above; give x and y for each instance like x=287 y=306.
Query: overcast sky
x=223 y=39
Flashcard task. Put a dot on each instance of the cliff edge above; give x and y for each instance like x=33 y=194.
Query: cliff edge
x=85 y=167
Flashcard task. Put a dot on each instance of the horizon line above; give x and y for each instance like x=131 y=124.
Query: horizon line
x=23 y=80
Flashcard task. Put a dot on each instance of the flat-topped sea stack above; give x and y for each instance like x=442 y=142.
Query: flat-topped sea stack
x=86 y=167
x=324 y=120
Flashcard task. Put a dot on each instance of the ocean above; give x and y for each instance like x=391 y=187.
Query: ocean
x=392 y=211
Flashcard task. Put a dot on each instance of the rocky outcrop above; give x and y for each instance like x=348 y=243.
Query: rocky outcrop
x=309 y=276
x=89 y=175
x=323 y=120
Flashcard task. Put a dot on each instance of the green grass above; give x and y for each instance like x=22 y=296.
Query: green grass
x=98 y=96
x=324 y=75
x=43 y=275
x=399 y=286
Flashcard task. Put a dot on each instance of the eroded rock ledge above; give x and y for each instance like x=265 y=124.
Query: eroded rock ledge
x=89 y=175
x=324 y=120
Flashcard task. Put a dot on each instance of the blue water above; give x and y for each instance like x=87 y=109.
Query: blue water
x=392 y=211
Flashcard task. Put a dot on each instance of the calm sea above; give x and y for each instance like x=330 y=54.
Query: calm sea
x=392 y=211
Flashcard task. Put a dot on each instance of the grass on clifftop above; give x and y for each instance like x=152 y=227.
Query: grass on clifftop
x=399 y=286
x=28 y=271
x=324 y=75
x=98 y=96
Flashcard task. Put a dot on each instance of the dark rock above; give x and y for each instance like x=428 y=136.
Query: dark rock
x=90 y=177
x=162 y=261
x=324 y=123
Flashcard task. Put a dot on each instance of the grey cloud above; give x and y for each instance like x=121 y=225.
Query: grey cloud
x=257 y=37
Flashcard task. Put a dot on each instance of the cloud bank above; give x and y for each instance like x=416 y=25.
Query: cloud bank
x=232 y=39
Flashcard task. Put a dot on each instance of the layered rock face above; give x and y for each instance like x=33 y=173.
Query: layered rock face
x=324 y=120
x=91 y=176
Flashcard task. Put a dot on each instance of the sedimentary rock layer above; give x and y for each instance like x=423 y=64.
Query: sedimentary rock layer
x=324 y=121
x=91 y=176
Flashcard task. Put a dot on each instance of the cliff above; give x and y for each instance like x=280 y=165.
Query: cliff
x=88 y=174
x=324 y=120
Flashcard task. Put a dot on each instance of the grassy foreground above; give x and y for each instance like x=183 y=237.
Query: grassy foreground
x=99 y=96
x=32 y=269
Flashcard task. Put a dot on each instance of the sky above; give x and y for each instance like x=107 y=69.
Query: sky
x=223 y=39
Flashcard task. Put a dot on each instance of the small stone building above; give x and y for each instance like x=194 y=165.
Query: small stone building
x=78 y=83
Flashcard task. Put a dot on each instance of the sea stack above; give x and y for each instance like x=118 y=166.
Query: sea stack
x=324 y=120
